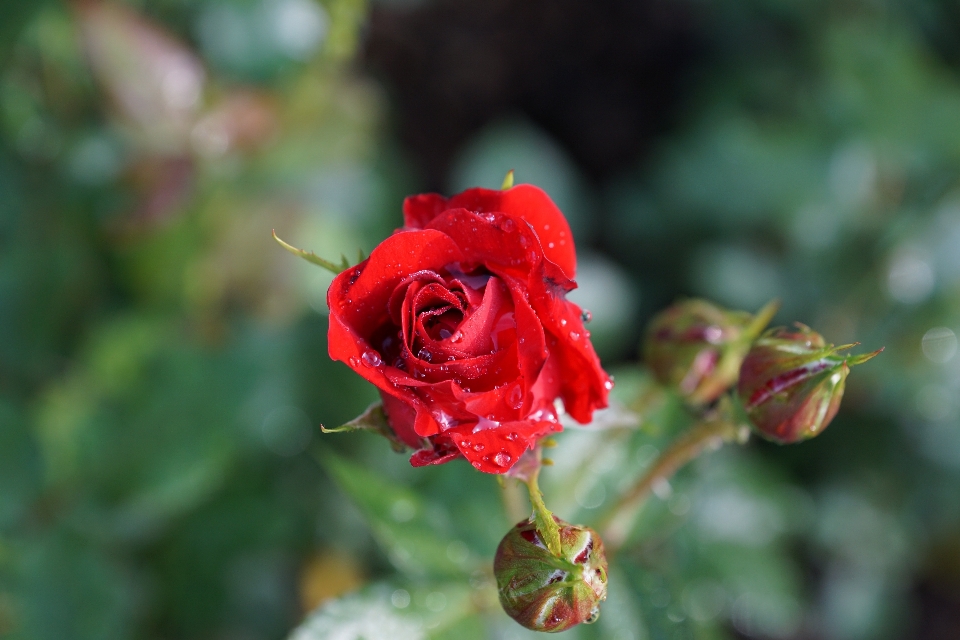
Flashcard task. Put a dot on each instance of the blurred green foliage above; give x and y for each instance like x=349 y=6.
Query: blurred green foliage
x=163 y=364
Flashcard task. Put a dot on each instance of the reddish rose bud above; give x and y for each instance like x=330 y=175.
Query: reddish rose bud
x=545 y=592
x=696 y=347
x=791 y=383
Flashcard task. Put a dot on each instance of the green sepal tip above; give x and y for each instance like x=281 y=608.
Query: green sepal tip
x=374 y=418
x=313 y=258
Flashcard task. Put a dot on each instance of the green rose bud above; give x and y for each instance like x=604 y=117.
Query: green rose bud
x=791 y=383
x=696 y=347
x=545 y=592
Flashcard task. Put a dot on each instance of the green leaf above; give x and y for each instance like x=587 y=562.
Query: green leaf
x=313 y=258
x=416 y=538
x=390 y=612
x=372 y=419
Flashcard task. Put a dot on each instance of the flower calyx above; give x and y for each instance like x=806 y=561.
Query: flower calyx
x=792 y=381
x=551 y=592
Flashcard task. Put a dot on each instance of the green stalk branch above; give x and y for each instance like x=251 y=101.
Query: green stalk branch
x=616 y=526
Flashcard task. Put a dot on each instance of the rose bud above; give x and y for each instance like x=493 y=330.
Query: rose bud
x=461 y=320
x=696 y=347
x=791 y=383
x=545 y=592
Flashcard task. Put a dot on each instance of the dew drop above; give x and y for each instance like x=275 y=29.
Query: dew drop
x=512 y=436
x=523 y=241
x=371 y=358
x=608 y=385
x=586 y=316
x=546 y=227
x=515 y=399
x=563 y=322
x=354 y=362
x=508 y=225
x=457 y=336
x=478 y=447
x=445 y=333
x=550 y=245
x=574 y=335
x=532 y=256
x=423 y=354
x=502 y=459
x=485 y=423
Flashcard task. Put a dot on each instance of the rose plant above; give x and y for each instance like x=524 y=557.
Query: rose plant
x=460 y=320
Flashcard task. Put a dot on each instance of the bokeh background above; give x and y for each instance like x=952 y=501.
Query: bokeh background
x=163 y=366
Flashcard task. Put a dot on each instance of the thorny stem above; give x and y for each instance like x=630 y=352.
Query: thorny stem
x=711 y=432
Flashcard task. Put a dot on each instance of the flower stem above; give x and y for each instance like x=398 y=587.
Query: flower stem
x=547 y=527
x=711 y=432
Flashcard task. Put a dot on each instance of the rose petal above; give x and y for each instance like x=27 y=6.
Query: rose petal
x=584 y=385
x=502 y=248
x=442 y=450
x=533 y=205
x=401 y=417
x=495 y=448
x=419 y=210
x=358 y=296
x=477 y=325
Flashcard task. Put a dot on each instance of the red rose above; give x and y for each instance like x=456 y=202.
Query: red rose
x=461 y=321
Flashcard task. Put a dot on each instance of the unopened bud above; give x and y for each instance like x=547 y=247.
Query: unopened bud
x=545 y=592
x=696 y=347
x=792 y=381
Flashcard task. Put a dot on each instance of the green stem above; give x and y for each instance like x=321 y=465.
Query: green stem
x=547 y=527
x=616 y=525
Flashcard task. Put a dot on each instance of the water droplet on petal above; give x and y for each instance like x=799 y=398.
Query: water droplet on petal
x=523 y=241
x=563 y=322
x=574 y=335
x=354 y=361
x=608 y=385
x=515 y=399
x=586 y=316
x=457 y=336
x=550 y=245
x=478 y=447
x=512 y=436
x=371 y=358
x=502 y=459
x=508 y=225
x=423 y=354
